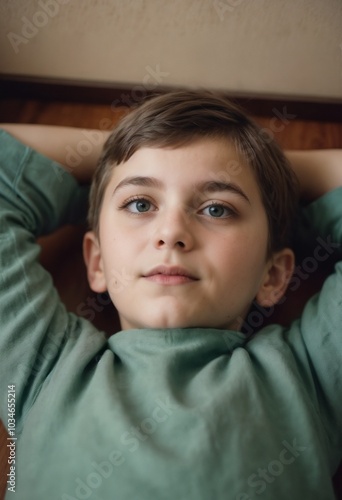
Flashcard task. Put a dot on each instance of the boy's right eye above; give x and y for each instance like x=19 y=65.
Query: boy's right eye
x=138 y=205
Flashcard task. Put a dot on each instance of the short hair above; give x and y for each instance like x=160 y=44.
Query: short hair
x=180 y=117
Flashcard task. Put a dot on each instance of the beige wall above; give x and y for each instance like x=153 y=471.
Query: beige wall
x=267 y=47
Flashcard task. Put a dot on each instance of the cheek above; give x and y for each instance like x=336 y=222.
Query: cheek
x=119 y=257
x=117 y=265
x=243 y=255
x=118 y=241
x=117 y=253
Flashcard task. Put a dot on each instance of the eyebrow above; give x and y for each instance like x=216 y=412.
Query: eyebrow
x=217 y=186
x=139 y=181
x=204 y=187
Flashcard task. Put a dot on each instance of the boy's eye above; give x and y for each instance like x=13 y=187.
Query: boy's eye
x=218 y=211
x=139 y=206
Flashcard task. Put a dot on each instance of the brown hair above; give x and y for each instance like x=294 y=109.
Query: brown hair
x=179 y=117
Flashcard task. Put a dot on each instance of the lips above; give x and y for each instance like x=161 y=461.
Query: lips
x=170 y=275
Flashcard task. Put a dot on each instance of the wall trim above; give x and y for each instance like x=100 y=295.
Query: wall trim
x=54 y=89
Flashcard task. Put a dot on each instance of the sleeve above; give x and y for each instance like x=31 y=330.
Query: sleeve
x=36 y=196
x=316 y=337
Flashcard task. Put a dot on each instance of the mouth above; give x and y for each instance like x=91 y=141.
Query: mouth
x=173 y=275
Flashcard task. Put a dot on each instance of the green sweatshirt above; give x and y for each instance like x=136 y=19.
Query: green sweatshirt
x=186 y=414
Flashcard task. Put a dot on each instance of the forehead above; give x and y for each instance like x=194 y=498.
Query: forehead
x=199 y=160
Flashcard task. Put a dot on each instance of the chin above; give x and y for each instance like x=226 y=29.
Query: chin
x=171 y=315
x=162 y=324
x=159 y=322
x=171 y=322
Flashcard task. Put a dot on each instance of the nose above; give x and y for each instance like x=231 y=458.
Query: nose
x=173 y=231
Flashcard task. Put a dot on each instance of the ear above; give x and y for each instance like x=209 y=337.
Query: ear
x=279 y=271
x=93 y=260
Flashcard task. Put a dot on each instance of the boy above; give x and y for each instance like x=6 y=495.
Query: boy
x=192 y=208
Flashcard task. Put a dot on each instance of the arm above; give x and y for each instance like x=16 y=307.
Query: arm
x=36 y=197
x=77 y=150
x=318 y=171
x=315 y=338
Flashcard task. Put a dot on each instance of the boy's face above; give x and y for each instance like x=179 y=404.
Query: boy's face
x=182 y=239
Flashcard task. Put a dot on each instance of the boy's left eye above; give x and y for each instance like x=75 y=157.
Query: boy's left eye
x=218 y=211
